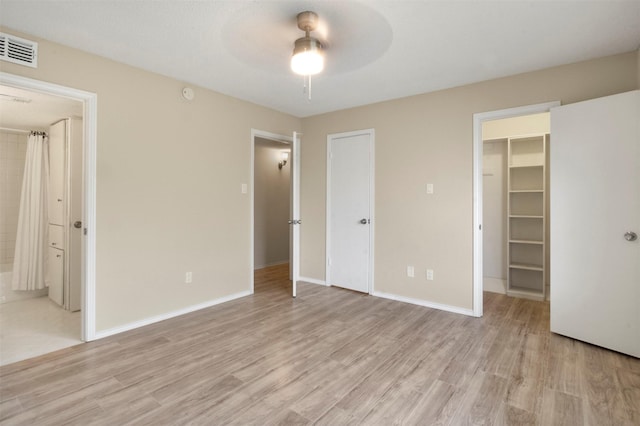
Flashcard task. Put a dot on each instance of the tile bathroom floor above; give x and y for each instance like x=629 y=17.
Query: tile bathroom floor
x=33 y=327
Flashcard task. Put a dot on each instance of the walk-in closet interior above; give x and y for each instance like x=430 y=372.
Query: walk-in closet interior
x=515 y=212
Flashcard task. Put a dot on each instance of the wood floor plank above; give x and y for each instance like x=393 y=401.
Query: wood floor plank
x=562 y=409
x=437 y=405
x=482 y=400
x=526 y=381
x=333 y=357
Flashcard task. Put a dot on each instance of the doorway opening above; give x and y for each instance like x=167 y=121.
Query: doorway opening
x=59 y=304
x=272 y=202
x=518 y=156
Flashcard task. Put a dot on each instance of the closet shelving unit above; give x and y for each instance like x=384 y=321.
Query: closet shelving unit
x=526 y=216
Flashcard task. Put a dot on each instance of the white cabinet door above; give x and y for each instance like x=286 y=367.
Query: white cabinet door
x=55 y=275
x=595 y=200
x=57 y=156
x=349 y=215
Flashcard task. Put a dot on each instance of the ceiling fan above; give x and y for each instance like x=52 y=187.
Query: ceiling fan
x=308 y=51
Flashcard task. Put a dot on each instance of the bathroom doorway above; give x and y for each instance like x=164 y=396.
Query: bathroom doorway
x=32 y=322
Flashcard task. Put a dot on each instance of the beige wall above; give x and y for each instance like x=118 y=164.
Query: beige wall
x=638 y=68
x=428 y=139
x=169 y=173
x=272 y=190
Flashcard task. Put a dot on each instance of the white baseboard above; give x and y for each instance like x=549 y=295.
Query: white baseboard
x=162 y=317
x=494 y=285
x=281 y=262
x=312 y=281
x=434 y=305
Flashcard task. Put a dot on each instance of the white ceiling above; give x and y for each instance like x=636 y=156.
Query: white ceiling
x=25 y=110
x=377 y=50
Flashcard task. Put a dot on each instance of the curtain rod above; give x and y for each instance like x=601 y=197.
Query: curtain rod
x=7 y=129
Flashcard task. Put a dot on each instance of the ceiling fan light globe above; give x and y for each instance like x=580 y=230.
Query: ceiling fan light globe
x=307 y=63
x=308 y=58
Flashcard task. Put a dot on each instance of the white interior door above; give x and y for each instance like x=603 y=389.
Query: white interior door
x=295 y=210
x=74 y=217
x=595 y=208
x=349 y=205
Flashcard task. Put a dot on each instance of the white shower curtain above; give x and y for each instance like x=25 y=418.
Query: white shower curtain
x=31 y=240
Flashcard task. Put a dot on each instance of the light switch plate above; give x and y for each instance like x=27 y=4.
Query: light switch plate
x=429 y=188
x=243 y=188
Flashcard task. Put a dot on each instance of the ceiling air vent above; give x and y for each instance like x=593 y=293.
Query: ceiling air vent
x=18 y=50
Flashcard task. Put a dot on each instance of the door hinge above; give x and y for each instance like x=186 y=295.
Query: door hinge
x=480 y=227
x=84 y=231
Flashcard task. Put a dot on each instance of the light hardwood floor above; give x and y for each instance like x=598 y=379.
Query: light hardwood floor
x=329 y=357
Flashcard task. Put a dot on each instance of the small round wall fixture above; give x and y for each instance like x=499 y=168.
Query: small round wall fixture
x=188 y=93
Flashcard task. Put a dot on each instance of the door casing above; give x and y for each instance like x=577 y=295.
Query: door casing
x=90 y=124
x=288 y=140
x=478 y=119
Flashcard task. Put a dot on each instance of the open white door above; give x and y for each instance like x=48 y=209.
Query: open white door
x=595 y=220
x=295 y=211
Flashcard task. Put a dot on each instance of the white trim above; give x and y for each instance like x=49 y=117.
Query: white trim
x=169 y=315
x=478 y=119
x=313 y=281
x=372 y=172
x=90 y=124
x=494 y=285
x=419 y=302
x=294 y=207
x=274 y=137
x=279 y=262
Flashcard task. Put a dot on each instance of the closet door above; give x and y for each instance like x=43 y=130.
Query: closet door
x=595 y=220
x=57 y=163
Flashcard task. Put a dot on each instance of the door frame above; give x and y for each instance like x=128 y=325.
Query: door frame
x=371 y=133
x=288 y=140
x=89 y=101
x=478 y=119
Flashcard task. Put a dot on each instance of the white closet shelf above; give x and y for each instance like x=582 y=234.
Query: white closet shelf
x=527 y=242
x=526 y=266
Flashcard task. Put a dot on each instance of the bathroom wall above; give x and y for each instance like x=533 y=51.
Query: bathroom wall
x=13 y=149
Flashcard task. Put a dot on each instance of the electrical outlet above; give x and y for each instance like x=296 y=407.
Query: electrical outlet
x=188 y=278
x=430 y=274
x=410 y=271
